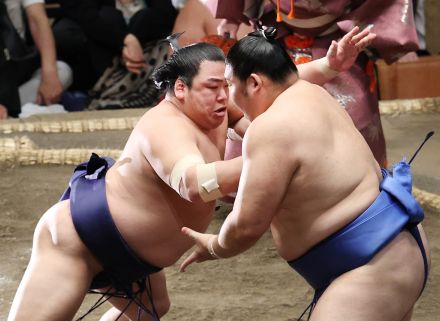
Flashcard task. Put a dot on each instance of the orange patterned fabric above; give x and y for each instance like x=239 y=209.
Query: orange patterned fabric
x=222 y=42
x=369 y=70
x=294 y=41
x=299 y=48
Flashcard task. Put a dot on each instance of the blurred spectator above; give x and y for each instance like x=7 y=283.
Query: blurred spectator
x=197 y=22
x=40 y=78
x=419 y=19
x=307 y=28
x=91 y=33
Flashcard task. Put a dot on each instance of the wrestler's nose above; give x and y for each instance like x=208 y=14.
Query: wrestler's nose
x=223 y=94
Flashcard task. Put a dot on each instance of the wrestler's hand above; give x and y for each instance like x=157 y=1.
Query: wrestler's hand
x=228 y=27
x=342 y=54
x=201 y=253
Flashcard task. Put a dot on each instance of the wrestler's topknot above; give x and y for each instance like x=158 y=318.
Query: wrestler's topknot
x=257 y=49
x=184 y=64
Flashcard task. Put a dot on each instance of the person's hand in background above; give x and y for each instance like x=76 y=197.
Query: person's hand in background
x=3 y=112
x=49 y=90
x=228 y=27
x=132 y=54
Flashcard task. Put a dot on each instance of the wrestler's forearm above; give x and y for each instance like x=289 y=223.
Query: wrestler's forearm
x=317 y=71
x=236 y=119
x=241 y=126
x=228 y=174
x=234 y=239
x=223 y=177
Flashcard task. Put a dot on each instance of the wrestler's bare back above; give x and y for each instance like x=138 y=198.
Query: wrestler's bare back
x=148 y=213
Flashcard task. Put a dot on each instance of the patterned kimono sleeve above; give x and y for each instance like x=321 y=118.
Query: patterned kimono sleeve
x=392 y=21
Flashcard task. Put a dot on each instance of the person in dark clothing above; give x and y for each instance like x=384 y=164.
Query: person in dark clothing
x=29 y=69
x=90 y=33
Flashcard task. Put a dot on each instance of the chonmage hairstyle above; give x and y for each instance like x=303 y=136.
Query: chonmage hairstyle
x=260 y=52
x=184 y=64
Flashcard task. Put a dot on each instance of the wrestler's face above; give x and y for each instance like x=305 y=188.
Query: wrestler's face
x=238 y=92
x=207 y=97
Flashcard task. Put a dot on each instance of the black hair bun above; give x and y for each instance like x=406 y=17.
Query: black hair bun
x=270 y=33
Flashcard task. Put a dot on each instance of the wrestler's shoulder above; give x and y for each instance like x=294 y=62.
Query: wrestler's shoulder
x=271 y=127
x=161 y=118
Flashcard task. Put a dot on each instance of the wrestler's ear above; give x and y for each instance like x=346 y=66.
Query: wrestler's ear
x=254 y=83
x=179 y=89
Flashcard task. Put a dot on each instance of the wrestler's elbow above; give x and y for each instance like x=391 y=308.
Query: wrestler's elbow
x=193 y=196
x=190 y=188
x=249 y=230
x=199 y=184
x=244 y=239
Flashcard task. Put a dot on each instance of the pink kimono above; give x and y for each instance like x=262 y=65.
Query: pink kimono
x=316 y=23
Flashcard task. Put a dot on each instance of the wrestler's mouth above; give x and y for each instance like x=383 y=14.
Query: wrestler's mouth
x=221 y=111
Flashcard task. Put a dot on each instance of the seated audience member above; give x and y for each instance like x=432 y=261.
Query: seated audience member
x=35 y=73
x=91 y=33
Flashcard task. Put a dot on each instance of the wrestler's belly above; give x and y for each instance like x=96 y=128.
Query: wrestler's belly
x=151 y=224
x=296 y=231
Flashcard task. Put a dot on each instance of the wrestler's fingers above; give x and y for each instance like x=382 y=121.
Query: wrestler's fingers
x=188 y=261
x=332 y=50
x=191 y=233
x=364 y=33
x=362 y=44
x=350 y=35
x=359 y=36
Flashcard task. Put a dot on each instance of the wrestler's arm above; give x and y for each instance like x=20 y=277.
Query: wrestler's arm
x=266 y=175
x=340 y=56
x=236 y=119
x=181 y=142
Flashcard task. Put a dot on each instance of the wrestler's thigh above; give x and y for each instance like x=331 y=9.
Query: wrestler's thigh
x=58 y=275
x=56 y=232
x=160 y=299
x=385 y=289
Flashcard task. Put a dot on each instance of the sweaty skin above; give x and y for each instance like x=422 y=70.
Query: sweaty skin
x=307 y=172
x=146 y=210
x=140 y=200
